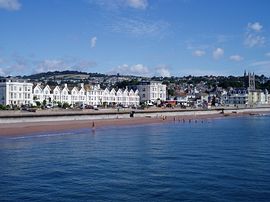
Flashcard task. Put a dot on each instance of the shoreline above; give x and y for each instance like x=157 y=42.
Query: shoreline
x=30 y=128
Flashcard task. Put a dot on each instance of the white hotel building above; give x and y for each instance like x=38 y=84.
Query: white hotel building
x=15 y=92
x=152 y=91
x=20 y=93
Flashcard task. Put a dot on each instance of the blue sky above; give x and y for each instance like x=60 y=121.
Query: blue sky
x=138 y=37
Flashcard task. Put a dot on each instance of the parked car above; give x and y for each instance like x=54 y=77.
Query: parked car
x=48 y=106
x=89 y=107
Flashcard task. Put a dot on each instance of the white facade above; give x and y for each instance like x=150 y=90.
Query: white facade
x=152 y=91
x=15 y=92
x=258 y=97
x=245 y=97
x=20 y=93
x=235 y=97
x=79 y=95
x=97 y=96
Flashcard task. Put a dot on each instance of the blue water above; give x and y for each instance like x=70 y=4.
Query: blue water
x=219 y=160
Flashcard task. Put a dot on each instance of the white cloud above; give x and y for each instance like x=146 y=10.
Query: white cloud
x=21 y=65
x=260 y=63
x=218 y=53
x=139 y=27
x=253 y=36
x=63 y=64
x=141 y=4
x=255 y=26
x=50 y=65
x=138 y=69
x=141 y=70
x=163 y=71
x=116 y=4
x=267 y=54
x=236 y=58
x=93 y=42
x=253 y=40
x=11 y=5
x=198 y=53
x=16 y=65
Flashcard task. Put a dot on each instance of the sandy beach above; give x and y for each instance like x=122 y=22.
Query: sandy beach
x=24 y=128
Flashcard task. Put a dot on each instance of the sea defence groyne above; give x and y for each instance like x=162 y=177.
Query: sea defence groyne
x=47 y=116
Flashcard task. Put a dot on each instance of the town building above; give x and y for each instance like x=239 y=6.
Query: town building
x=152 y=91
x=237 y=96
x=15 y=92
x=256 y=96
x=249 y=96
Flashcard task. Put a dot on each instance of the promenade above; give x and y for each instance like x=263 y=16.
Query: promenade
x=20 y=122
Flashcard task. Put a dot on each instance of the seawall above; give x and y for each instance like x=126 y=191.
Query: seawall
x=72 y=116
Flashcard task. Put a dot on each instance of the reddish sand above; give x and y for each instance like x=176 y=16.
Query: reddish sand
x=50 y=126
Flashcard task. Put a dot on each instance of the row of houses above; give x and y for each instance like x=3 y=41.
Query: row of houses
x=246 y=96
x=15 y=92
x=231 y=97
x=22 y=93
x=243 y=96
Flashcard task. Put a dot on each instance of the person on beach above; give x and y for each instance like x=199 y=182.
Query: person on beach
x=93 y=125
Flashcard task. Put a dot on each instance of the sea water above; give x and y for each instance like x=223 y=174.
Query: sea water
x=225 y=159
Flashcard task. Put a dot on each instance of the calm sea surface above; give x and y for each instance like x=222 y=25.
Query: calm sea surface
x=219 y=160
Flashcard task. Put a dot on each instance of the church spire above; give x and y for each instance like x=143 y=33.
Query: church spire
x=251 y=81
